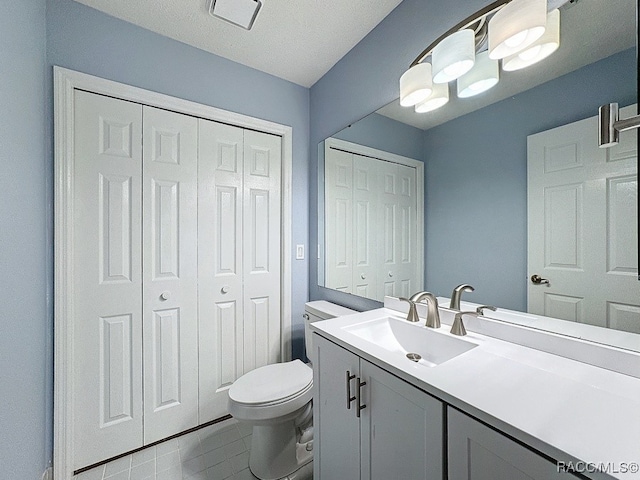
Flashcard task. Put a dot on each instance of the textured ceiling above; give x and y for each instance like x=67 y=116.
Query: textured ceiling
x=296 y=40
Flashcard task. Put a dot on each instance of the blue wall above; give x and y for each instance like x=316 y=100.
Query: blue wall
x=386 y=134
x=25 y=336
x=476 y=179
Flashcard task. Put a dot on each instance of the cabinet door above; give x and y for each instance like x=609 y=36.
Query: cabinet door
x=401 y=429
x=170 y=273
x=477 y=452
x=337 y=431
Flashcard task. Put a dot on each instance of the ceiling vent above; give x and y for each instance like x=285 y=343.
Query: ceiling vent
x=238 y=12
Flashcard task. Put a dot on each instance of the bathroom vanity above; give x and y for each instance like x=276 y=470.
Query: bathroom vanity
x=463 y=407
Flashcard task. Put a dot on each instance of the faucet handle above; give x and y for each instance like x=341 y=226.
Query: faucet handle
x=480 y=310
x=458 y=327
x=412 y=315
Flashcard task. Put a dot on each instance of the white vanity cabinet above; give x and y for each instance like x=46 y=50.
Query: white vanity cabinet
x=399 y=433
x=477 y=452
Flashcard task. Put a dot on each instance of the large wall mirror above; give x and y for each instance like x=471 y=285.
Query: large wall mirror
x=487 y=217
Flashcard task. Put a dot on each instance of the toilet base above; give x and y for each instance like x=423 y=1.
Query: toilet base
x=276 y=455
x=303 y=473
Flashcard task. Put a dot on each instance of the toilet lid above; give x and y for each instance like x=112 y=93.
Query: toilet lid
x=272 y=383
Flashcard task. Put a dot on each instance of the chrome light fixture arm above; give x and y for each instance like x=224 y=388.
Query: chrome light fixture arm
x=478 y=17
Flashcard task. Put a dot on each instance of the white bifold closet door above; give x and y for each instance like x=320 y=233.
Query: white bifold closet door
x=239 y=258
x=371 y=226
x=170 y=272
x=107 y=278
x=135 y=276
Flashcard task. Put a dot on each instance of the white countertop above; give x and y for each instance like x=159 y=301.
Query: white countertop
x=568 y=410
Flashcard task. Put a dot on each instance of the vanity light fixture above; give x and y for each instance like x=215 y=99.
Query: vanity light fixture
x=538 y=50
x=454 y=56
x=439 y=97
x=415 y=85
x=241 y=13
x=469 y=51
x=516 y=26
x=484 y=75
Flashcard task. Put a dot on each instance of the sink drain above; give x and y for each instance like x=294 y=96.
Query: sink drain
x=414 y=357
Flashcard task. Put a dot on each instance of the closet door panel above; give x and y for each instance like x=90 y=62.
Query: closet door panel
x=261 y=249
x=406 y=232
x=220 y=302
x=170 y=328
x=339 y=220
x=365 y=208
x=387 y=229
x=107 y=309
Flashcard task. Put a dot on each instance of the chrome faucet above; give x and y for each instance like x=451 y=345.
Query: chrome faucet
x=412 y=314
x=480 y=310
x=433 y=316
x=457 y=293
x=458 y=327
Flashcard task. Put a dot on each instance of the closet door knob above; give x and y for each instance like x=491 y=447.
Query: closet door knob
x=390 y=274
x=165 y=296
x=225 y=289
x=363 y=276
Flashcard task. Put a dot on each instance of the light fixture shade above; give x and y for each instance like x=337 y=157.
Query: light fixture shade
x=484 y=75
x=437 y=99
x=538 y=50
x=238 y=12
x=516 y=26
x=415 y=84
x=454 y=56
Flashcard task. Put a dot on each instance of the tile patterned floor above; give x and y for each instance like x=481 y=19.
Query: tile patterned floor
x=217 y=452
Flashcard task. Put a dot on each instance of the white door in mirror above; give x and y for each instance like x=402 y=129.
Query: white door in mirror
x=582 y=227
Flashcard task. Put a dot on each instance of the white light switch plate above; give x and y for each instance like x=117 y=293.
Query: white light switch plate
x=299 y=252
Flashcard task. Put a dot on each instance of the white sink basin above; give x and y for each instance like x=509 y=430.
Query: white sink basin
x=402 y=337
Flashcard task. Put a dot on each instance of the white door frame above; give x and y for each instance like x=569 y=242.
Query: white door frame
x=65 y=82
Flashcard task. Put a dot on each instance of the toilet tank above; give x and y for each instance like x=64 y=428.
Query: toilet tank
x=319 y=310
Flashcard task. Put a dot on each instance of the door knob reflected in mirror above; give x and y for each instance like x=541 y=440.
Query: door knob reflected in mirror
x=363 y=276
x=538 y=280
x=390 y=274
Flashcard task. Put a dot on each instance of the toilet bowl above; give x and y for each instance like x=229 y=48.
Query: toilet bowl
x=276 y=401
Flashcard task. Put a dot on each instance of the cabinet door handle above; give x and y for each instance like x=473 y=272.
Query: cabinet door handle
x=349 y=397
x=359 y=406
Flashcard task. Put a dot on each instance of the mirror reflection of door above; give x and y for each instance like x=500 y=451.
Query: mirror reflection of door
x=373 y=220
x=583 y=237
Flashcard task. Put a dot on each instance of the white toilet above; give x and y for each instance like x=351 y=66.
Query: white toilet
x=276 y=400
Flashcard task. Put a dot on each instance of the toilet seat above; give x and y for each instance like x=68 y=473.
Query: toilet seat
x=271 y=392
x=272 y=383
